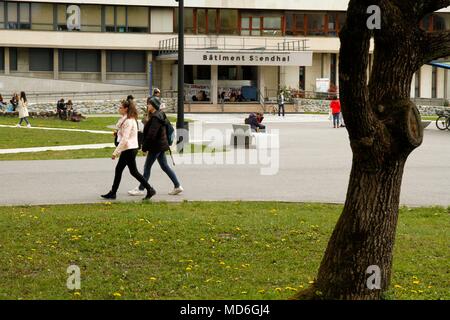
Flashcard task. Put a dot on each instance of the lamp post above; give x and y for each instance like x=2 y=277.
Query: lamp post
x=180 y=114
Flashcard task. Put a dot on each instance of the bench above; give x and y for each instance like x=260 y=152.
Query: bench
x=242 y=136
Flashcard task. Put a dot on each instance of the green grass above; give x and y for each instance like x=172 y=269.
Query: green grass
x=84 y=153
x=91 y=123
x=25 y=138
x=233 y=250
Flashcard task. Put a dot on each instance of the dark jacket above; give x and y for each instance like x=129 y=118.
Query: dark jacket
x=253 y=122
x=155 y=136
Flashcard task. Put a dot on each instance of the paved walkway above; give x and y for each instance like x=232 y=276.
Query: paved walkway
x=58 y=129
x=314 y=165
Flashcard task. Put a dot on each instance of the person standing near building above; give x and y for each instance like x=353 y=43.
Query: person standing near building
x=23 y=110
x=335 y=107
x=156 y=144
x=127 y=149
x=281 y=103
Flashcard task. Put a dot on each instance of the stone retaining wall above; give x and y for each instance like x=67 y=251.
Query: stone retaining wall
x=110 y=107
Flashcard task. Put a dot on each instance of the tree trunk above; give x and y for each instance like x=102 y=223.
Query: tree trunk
x=384 y=127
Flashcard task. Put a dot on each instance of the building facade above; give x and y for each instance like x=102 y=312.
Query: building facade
x=233 y=54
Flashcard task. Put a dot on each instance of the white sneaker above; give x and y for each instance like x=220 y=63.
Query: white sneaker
x=176 y=191
x=18 y=126
x=28 y=125
x=136 y=192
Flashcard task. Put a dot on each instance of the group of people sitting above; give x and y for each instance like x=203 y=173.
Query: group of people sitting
x=12 y=105
x=65 y=111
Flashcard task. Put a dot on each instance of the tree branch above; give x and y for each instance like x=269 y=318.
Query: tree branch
x=437 y=45
x=424 y=7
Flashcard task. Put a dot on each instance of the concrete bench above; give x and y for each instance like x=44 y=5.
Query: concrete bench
x=242 y=136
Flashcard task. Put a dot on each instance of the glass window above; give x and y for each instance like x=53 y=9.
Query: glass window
x=12 y=15
x=42 y=16
x=189 y=21
x=228 y=21
x=295 y=24
x=138 y=19
x=426 y=23
x=61 y=16
x=79 y=60
x=13 y=59
x=24 y=16
x=91 y=18
x=109 y=19
x=316 y=24
x=41 y=59
x=212 y=21
x=201 y=21
x=2 y=15
x=342 y=17
x=121 y=19
x=272 y=26
x=2 y=58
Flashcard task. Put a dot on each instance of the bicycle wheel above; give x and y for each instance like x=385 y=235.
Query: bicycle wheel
x=441 y=123
x=448 y=123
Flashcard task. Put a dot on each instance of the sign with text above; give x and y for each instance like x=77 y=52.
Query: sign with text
x=250 y=58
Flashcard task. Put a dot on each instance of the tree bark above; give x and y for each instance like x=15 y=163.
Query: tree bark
x=384 y=127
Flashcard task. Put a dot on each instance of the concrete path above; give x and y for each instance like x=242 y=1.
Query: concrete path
x=57 y=129
x=57 y=148
x=314 y=165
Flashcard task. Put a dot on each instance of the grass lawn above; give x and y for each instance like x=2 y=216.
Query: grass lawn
x=24 y=138
x=192 y=250
x=91 y=123
x=85 y=153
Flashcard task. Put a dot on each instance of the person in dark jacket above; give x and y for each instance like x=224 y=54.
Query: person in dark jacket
x=156 y=144
x=252 y=120
x=61 y=109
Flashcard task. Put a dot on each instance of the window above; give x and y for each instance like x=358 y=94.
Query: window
x=316 y=24
x=125 y=61
x=201 y=21
x=12 y=22
x=228 y=21
x=417 y=84
x=261 y=23
x=109 y=19
x=189 y=27
x=332 y=24
x=41 y=16
x=79 y=60
x=41 y=59
x=61 y=17
x=24 y=16
x=434 y=83
x=302 y=77
x=2 y=15
x=295 y=24
x=333 y=65
x=91 y=18
x=121 y=19
x=13 y=59
x=138 y=19
x=2 y=58
x=212 y=21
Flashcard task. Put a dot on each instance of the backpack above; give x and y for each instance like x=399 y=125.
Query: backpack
x=140 y=136
x=170 y=131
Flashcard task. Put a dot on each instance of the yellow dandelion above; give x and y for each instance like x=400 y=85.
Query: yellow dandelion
x=77 y=294
x=202 y=239
x=413 y=291
x=278 y=289
x=416 y=282
x=153 y=278
x=262 y=291
x=397 y=286
x=117 y=294
x=221 y=262
x=429 y=287
x=311 y=282
x=283 y=240
x=244 y=292
x=212 y=240
x=188 y=268
x=238 y=229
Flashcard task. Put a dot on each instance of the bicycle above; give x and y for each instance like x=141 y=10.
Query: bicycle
x=443 y=120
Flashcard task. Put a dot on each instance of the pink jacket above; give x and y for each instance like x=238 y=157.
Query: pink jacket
x=127 y=135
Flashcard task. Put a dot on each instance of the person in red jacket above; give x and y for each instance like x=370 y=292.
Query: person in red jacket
x=335 y=106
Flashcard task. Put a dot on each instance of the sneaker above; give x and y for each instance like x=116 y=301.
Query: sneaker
x=176 y=191
x=136 y=192
x=28 y=125
x=109 y=195
x=150 y=194
x=18 y=126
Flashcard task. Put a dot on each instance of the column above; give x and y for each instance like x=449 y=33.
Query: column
x=149 y=61
x=55 y=64
x=6 y=61
x=103 y=65
x=214 y=84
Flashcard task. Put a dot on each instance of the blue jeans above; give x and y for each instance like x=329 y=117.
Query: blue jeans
x=162 y=160
x=336 y=119
x=22 y=119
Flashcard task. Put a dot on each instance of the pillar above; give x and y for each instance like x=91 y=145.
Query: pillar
x=6 y=61
x=150 y=73
x=55 y=64
x=103 y=65
x=214 y=84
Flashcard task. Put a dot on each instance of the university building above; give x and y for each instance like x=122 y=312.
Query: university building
x=234 y=55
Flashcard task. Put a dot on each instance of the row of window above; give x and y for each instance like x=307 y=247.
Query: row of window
x=108 y=18
x=41 y=59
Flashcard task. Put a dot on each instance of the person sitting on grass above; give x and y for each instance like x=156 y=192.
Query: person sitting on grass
x=61 y=109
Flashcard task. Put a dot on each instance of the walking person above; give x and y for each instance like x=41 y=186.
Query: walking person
x=156 y=144
x=127 y=149
x=281 y=103
x=335 y=107
x=23 y=110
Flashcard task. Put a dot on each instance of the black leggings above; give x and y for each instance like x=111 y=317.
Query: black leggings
x=128 y=159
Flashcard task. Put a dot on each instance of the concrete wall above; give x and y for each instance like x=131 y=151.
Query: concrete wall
x=425 y=81
x=12 y=84
x=290 y=76
x=313 y=72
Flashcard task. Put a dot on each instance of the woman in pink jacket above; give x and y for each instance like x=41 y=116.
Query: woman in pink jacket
x=127 y=149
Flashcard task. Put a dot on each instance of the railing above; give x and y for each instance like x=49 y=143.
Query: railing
x=271 y=94
x=170 y=46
